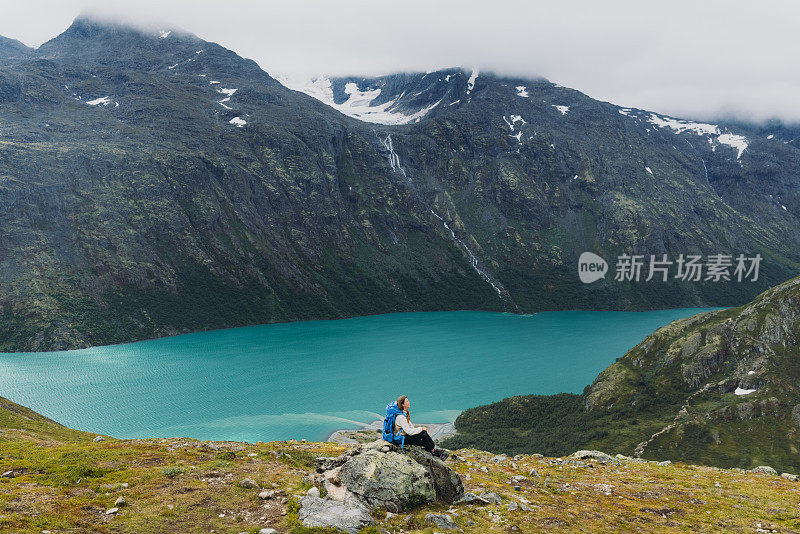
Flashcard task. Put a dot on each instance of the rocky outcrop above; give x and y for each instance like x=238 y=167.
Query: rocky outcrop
x=378 y=475
x=348 y=515
x=600 y=456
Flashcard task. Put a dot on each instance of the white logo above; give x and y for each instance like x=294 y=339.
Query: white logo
x=591 y=267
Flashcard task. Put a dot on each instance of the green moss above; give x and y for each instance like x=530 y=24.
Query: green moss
x=172 y=471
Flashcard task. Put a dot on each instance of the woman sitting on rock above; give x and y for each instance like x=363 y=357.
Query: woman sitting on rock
x=414 y=435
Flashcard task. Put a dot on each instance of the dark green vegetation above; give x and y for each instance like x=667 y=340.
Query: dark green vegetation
x=150 y=213
x=673 y=396
x=547 y=424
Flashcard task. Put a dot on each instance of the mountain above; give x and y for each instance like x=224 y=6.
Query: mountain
x=71 y=483
x=718 y=388
x=11 y=49
x=153 y=183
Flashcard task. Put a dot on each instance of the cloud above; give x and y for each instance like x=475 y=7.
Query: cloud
x=685 y=58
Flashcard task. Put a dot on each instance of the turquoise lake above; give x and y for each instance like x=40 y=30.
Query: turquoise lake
x=307 y=379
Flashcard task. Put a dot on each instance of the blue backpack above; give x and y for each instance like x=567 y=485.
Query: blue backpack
x=392 y=411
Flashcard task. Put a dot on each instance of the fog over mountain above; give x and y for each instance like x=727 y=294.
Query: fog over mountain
x=709 y=60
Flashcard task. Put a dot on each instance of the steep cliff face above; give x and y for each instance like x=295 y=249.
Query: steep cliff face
x=719 y=388
x=156 y=183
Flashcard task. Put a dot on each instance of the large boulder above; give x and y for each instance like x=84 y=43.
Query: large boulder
x=380 y=475
x=348 y=515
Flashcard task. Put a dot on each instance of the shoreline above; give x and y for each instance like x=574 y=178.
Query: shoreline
x=177 y=334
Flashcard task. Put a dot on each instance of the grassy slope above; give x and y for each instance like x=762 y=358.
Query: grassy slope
x=20 y=423
x=64 y=482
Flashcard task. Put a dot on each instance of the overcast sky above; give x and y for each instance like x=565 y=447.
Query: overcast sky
x=700 y=58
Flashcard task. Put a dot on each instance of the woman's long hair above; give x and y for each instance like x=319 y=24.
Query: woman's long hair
x=400 y=400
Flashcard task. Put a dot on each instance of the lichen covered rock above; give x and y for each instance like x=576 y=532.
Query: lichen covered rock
x=380 y=475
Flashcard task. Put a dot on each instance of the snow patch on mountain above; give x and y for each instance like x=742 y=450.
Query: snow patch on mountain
x=104 y=100
x=358 y=105
x=471 y=81
x=514 y=119
x=679 y=125
x=739 y=142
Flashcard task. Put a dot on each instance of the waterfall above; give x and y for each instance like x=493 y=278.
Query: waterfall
x=483 y=274
x=394 y=162
x=394 y=159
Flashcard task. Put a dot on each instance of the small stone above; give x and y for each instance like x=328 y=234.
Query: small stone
x=8 y=474
x=266 y=494
x=267 y=531
x=314 y=492
x=517 y=488
x=170 y=506
x=248 y=483
x=513 y=506
x=99 y=438
x=789 y=476
x=491 y=497
x=385 y=448
x=442 y=521
x=471 y=498
x=252 y=454
x=665 y=462
x=112 y=511
x=120 y=502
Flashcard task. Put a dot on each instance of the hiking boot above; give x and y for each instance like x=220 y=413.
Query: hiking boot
x=442 y=454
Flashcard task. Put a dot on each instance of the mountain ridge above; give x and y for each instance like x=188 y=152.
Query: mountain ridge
x=152 y=186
